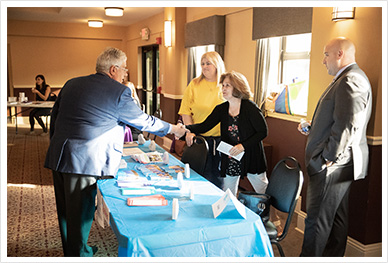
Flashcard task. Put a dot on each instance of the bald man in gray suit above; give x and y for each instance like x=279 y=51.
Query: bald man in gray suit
x=336 y=151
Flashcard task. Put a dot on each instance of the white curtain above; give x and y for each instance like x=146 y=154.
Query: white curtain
x=261 y=72
x=192 y=55
x=191 y=65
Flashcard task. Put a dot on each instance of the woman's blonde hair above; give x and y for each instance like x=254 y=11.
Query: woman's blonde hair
x=218 y=63
x=239 y=83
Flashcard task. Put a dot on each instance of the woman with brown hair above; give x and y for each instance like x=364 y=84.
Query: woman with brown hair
x=243 y=126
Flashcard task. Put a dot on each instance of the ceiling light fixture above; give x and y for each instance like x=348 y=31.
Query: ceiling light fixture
x=114 y=11
x=95 y=23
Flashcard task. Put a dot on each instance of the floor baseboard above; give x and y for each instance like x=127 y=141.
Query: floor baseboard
x=353 y=248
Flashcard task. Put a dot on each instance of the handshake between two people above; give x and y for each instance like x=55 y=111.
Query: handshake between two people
x=178 y=130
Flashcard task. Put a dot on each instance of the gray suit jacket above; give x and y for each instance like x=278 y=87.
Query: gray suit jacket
x=338 y=128
x=87 y=125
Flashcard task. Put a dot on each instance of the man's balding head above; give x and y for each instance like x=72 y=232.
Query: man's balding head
x=339 y=52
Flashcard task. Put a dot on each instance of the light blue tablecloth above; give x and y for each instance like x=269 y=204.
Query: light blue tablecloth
x=151 y=232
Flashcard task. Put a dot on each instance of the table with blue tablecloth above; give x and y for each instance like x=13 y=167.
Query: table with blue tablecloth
x=149 y=231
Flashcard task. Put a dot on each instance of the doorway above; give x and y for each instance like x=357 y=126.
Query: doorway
x=150 y=78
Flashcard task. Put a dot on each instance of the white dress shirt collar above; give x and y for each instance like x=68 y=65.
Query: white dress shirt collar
x=342 y=69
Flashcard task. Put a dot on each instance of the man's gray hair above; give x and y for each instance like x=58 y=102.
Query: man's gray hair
x=110 y=57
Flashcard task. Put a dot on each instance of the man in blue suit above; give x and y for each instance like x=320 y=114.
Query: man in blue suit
x=336 y=151
x=87 y=134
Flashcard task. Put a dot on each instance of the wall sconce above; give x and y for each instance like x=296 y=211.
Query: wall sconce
x=114 y=11
x=167 y=33
x=95 y=23
x=342 y=13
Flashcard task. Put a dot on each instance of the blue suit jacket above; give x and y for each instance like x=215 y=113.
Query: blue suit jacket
x=88 y=122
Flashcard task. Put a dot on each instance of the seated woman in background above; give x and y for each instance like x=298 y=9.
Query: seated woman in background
x=243 y=126
x=42 y=93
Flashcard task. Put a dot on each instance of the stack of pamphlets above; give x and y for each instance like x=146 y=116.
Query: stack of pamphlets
x=154 y=172
x=131 y=178
x=151 y=157
x=152 y=200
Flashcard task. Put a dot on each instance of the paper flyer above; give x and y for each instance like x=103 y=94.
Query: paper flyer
x=153 y=200
x=132 y=151
x=220 y=205
x=225 y=148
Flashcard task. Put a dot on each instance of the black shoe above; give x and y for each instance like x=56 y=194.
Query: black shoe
x=95 y=249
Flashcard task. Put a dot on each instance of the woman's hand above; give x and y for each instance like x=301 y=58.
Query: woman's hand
x=34 y=90
x=189 y=138
x=237 y=149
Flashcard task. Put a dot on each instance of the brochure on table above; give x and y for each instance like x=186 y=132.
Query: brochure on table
x=156 y=177
x=220 y=205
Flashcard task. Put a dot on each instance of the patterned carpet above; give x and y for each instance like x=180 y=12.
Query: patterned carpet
x=32 y=226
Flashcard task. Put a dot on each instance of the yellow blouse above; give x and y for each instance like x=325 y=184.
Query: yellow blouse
x=199 y=101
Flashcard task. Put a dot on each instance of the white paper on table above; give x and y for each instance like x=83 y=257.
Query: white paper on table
x=132 y=151
x=225 y=148
x=123 y=164
x=220 y=205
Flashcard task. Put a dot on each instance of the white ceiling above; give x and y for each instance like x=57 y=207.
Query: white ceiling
x=81 y=14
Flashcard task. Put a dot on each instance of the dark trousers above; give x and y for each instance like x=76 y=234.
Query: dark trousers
x=212 y=168
x=75 y=198
x=35 y=114
x=326 y=224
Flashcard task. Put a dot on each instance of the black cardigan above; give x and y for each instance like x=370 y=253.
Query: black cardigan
x=253 y=129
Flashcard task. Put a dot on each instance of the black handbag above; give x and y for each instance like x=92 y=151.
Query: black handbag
x=258 y=203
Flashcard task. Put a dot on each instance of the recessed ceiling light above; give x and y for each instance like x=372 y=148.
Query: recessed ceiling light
x=114 y=11
x=95 y=23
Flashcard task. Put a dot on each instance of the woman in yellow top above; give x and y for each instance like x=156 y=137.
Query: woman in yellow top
x=199 y=99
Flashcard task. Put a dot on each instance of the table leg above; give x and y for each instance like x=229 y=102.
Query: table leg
x=16 y=121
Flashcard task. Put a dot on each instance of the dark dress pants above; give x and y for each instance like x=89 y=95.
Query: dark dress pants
x=326 y=224
x=36 y=113
x=212 y=168
x=75 y=198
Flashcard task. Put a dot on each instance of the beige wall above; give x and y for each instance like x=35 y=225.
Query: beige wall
x=174 y=66
x=62 y=50
x=134 y=44
x=365 y=32
x=173 y=60
x=59 y=51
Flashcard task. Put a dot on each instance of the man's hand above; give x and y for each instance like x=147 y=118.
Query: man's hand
x=301 y=131
x=178 y=130
x=329 y=163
